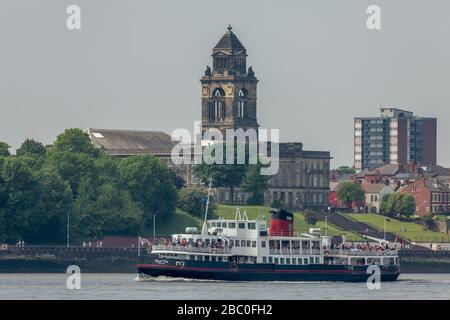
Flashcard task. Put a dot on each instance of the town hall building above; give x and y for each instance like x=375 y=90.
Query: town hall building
x=229 y=101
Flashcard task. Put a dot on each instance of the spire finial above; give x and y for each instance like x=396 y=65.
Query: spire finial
x=229 y=27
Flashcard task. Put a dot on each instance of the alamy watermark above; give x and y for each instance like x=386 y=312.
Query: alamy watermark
x=73 y=281
x=241 y=147
x=374 y=280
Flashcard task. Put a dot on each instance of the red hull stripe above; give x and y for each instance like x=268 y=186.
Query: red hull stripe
x=253 y=270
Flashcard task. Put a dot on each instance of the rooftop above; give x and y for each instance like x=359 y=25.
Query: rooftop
x=131 y=142
x=229 y=41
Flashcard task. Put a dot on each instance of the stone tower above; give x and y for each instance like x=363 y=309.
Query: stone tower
x=229 y=88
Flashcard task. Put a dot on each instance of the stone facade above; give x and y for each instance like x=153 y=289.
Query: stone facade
x=229 y=89
x=229 y=102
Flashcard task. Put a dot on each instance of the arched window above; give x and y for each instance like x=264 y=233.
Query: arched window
x=218 y=92
x=217 y=111
x=243 y=93
x=242 y=103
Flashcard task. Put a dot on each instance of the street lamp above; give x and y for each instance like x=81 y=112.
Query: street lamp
x=68 y=228
x=154 y=227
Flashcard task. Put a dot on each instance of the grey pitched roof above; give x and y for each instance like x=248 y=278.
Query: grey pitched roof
x=373 y=187
x=229 y=41
x=388 y=169
x=434 y=170
x=436 y=185
x=335 y=186
x=131 y=142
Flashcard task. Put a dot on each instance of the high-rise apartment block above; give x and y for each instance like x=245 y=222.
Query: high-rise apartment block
x=396 y=136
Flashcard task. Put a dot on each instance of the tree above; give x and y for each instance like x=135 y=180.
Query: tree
x=395 y=204
x=76 y=141
x=111 y=212
x=31 y=147
x=72 y=167
x=223 y=175
x=149 y=182
x=21 y=193
x=55 y=203
x=406 y=205
x=310 y=217
x=350 y=193
x=346 y=170
x=4 y=149
x=256 y=183
x=277 y=203
x=193 y=200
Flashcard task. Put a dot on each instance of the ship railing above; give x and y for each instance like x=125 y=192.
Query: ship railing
x=296 y=252
x=188 y=248
x=359 y=252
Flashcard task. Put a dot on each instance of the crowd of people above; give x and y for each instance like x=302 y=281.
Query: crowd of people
x=364 y=247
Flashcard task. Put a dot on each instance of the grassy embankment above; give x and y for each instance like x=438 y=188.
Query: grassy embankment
x=300 y=225
x=412 y=231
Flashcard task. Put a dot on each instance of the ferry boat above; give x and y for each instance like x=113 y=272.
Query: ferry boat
x=241 y=249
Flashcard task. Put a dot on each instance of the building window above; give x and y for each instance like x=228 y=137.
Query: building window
x=242 y=103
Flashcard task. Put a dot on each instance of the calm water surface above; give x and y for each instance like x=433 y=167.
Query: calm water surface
x=126 y=286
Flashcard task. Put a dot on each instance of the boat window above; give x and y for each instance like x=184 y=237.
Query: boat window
x=311 y=260
x=288 y=260
x=263 y=244
x=224 y=259
x=305 y=261
x=300 y=261
x=270 y=259
x=213 y=258
x=207 y=241
x=236 y=243
x=206 y=258
x=213 y=224
x=249 y=243
x=191 y=257
x=276 y=260
x=231 y=225
x=252 y=225
x=242 y=243
x=254 y=244
x=224 y=224
x=242 y=225
x=317 y=260
x=253 y=259
x=281 y=260
x=264 y=259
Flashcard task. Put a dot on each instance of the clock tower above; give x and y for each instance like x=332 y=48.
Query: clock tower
x=229 y=88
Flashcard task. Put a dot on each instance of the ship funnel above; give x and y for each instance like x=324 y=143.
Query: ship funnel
x=281 y=223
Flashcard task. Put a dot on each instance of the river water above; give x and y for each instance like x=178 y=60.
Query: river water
x=127 y=286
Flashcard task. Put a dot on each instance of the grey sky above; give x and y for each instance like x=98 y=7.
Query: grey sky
x=136 y=65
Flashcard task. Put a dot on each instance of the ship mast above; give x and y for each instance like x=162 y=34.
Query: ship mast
x=205 y=227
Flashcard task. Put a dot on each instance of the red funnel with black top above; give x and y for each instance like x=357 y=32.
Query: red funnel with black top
x=281 y=223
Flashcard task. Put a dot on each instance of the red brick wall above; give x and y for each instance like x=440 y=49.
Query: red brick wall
x=422 y=196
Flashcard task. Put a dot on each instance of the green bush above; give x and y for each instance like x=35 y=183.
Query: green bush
x=310 y=217
x=193 y=201
x=277 y=203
